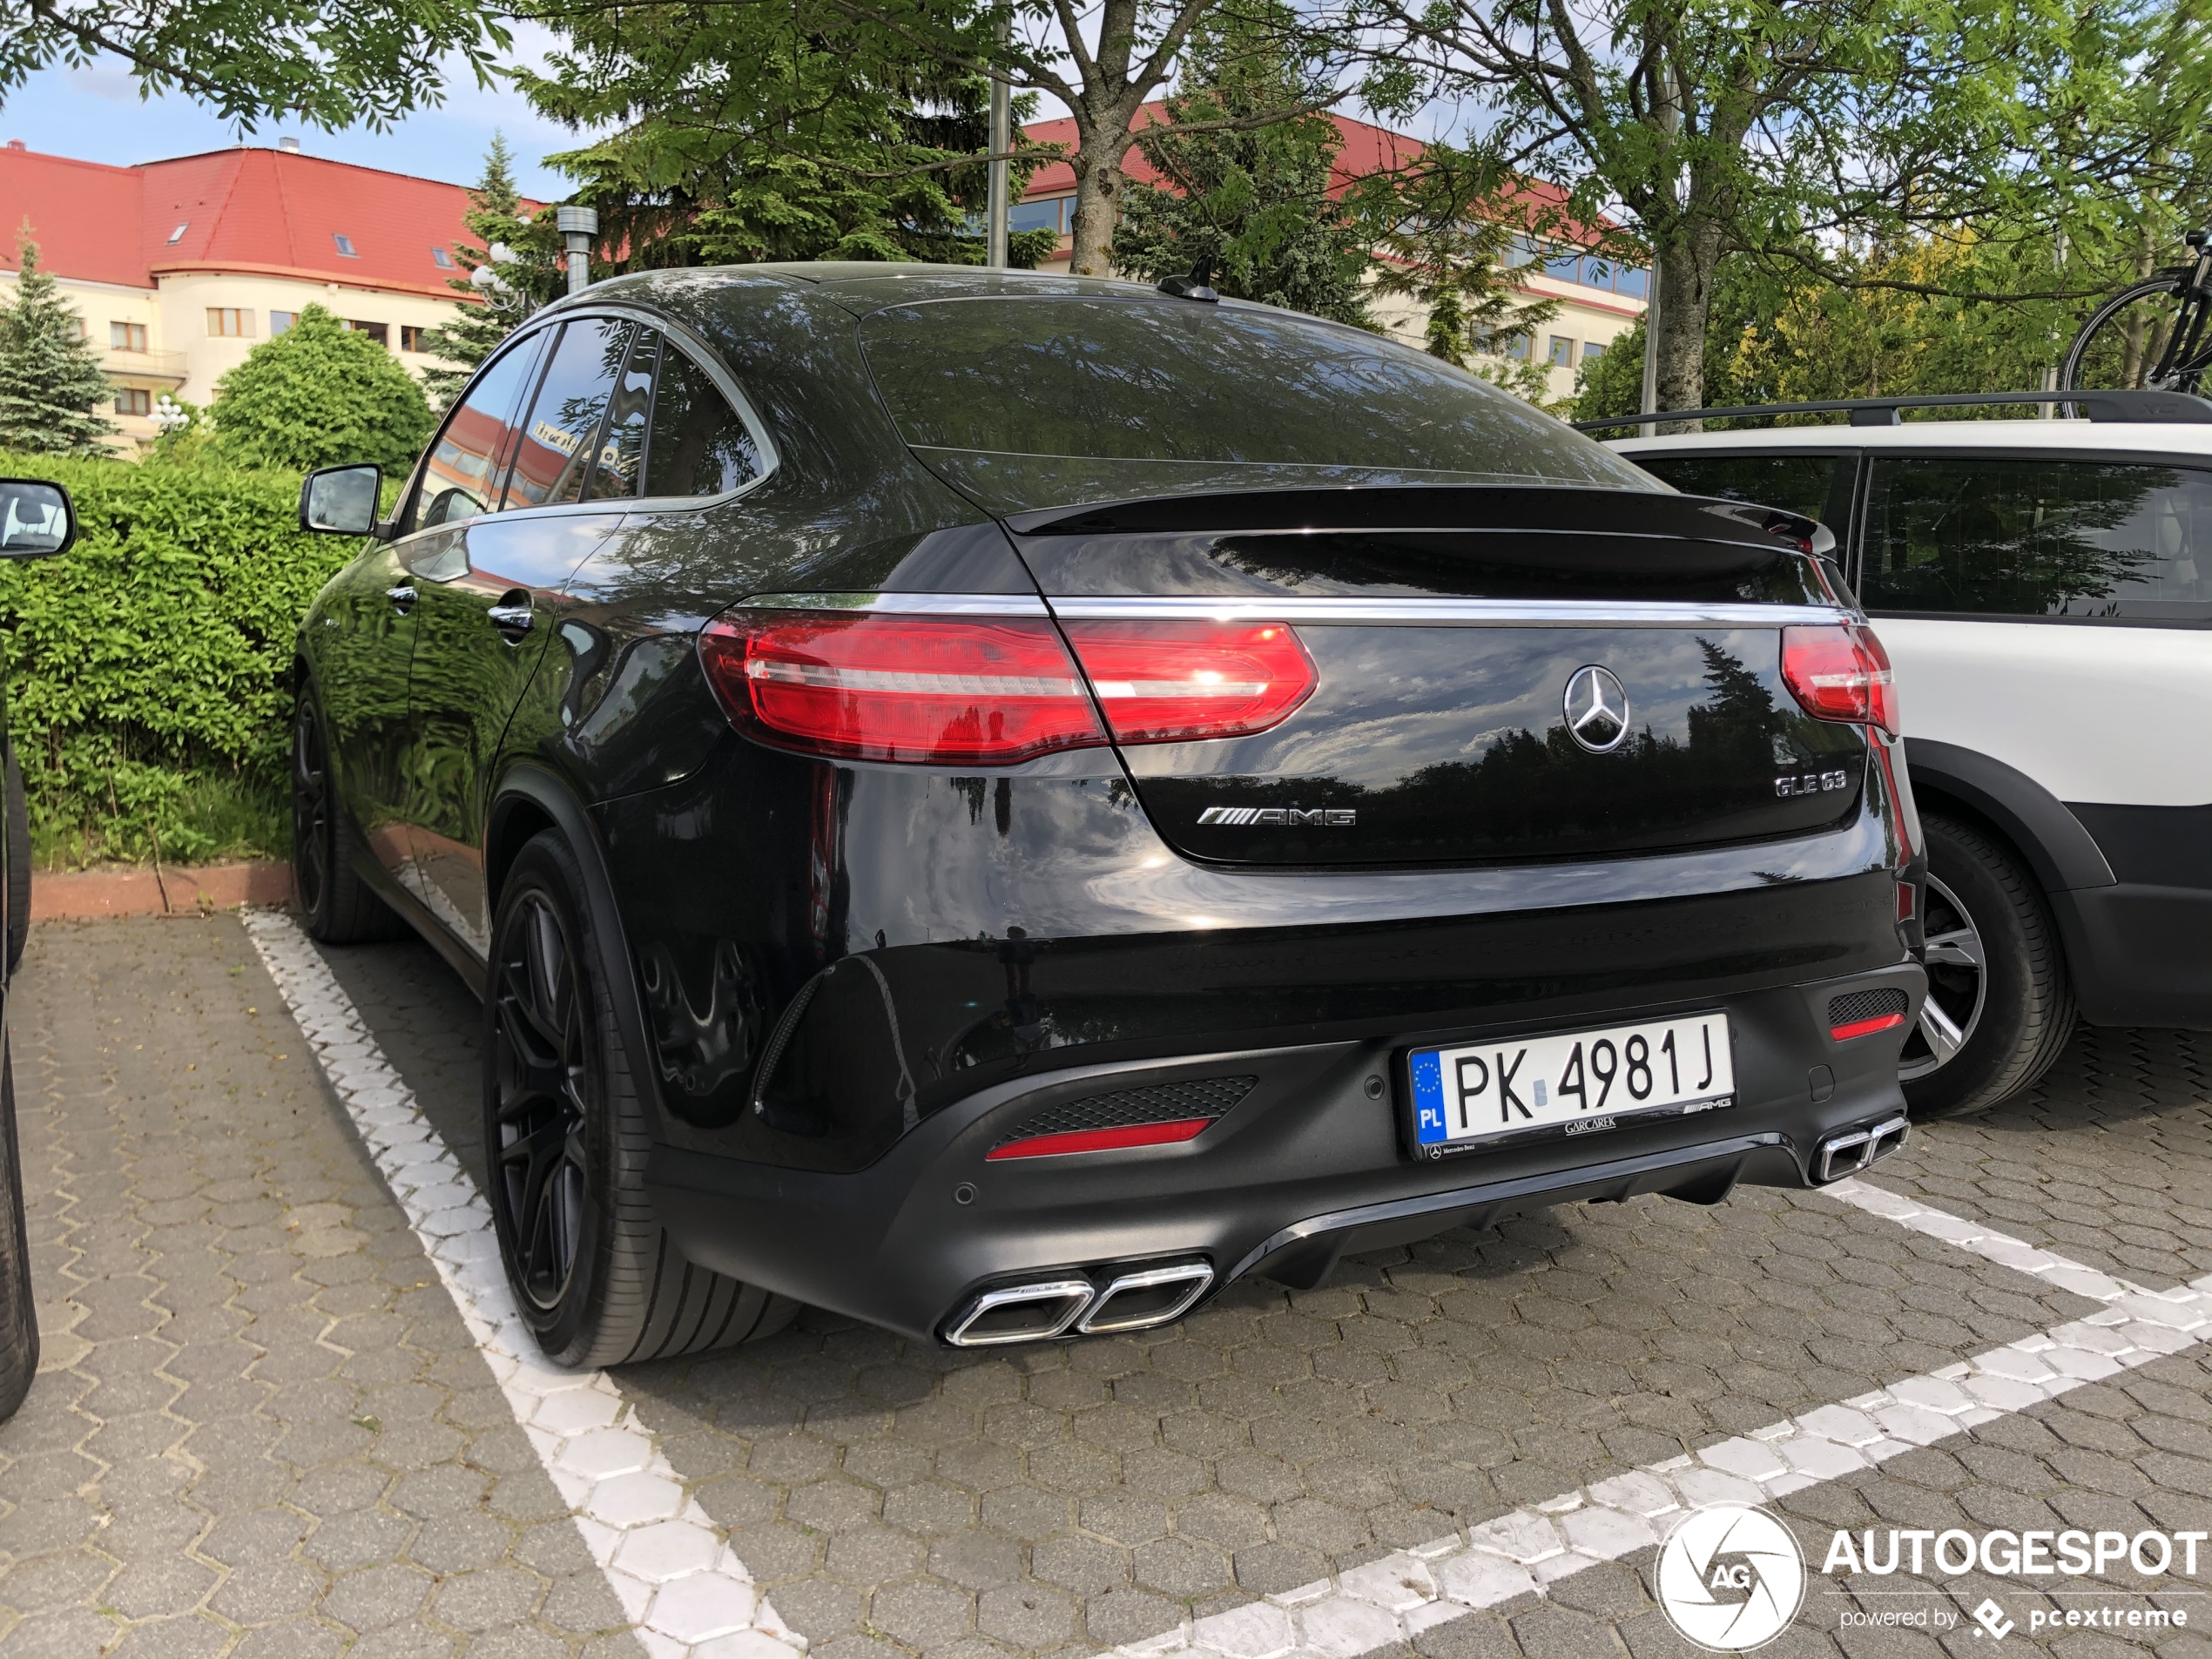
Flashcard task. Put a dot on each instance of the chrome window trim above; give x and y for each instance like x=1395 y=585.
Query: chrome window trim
x=906 y=605
x=1494 y=613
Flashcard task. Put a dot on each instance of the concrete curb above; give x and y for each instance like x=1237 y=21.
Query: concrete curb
x=162 y=890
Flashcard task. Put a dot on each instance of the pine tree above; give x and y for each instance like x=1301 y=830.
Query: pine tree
x=1249 y=190
x=494 y=217
x=51 y=379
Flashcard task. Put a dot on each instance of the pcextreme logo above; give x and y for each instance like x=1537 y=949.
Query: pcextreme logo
x=1731 y=1578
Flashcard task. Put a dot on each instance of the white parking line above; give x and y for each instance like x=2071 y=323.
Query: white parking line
x=1397 y=1598
x=688 y=1596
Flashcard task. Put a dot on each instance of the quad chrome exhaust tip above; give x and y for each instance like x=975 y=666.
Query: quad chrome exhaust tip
x=1130 y=1298
x=1847 y=1154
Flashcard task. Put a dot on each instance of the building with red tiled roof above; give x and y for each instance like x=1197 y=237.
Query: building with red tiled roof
x=179 y=268
x=1600 y=299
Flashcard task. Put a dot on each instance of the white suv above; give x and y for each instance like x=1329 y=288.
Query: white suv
x=2044 y=590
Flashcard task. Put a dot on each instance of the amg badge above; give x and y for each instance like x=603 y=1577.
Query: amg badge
x=1288 y=817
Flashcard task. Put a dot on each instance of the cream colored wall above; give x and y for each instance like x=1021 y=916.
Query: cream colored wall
x=185 y=300
x=182 y=359
x=1581 y=319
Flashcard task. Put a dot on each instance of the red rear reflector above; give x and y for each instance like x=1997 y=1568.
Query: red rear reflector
x=1839 y=671
x=1865 y=1028
x=1164 y=682
x=948 y=690
x=1102 y=1140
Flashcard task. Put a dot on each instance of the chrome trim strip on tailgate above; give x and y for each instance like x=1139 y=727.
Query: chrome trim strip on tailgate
x=905 y=604
x=1492 y=613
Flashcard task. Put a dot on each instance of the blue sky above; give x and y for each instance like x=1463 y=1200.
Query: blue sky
x=95 y=114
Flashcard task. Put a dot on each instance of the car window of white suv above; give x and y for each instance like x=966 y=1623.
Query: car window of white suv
x=2041 y=537
x=1795 y=483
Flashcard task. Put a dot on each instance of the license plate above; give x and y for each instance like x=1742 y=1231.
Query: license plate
x=1573 y=1084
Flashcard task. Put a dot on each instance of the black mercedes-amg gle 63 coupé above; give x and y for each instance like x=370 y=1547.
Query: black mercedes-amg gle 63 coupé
x=1000 y=805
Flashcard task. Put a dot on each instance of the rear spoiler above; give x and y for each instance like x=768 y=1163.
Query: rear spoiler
x=1537 y=508
x=2132 y=408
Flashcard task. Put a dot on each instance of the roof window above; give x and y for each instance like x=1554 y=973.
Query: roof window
x=177 y=235
x=444 y=259
x=345 y=246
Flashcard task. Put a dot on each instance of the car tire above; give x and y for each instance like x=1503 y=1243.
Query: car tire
x=18 y=864
x=2000 y=1006
x=337 y=905
x=597 y=1280
x=18 y=1310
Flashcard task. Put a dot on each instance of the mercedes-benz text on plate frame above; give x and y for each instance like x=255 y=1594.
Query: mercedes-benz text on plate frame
x=1571 y=1083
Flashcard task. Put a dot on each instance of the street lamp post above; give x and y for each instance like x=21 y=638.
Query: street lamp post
x=578 y=225
x=996 y=206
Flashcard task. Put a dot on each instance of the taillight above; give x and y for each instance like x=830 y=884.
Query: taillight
x=946 y=690
x=1164 y=682
x=1839 y=671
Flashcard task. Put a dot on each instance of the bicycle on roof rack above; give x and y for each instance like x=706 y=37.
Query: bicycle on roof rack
x=2152 y=335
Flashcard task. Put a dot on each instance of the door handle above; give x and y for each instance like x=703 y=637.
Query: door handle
x=510 y=617
x=402 y=599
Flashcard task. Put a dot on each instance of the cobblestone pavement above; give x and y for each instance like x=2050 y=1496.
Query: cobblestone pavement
x=307 y=1448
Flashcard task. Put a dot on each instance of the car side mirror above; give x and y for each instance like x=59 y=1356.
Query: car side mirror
x=341 y=499
x=36 y=519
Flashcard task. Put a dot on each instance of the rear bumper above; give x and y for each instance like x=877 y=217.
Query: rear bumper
x=1307 y=1166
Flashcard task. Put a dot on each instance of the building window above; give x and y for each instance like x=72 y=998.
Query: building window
x=230 y=322
x=281 y=322
x=1632 y=283
x=1046 y=215
x=444 y=258
x=345 y=246
x=177 y=235
x=380 y=333
x=410 y=337
x=1592 y=351
x=133 y=400
x=126 y=337
x=1562 y=354
x=1512 y=346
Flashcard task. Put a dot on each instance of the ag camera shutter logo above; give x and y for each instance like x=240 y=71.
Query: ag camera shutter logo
x=1731 y=1577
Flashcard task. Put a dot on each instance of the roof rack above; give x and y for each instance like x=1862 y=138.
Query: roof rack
x=2126 y=406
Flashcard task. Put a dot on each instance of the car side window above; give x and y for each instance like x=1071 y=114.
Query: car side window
x=1795 y=483
x=562 y=436
x=1974 y=536
x=699 y=446
x=624 y=448
x=461 y=478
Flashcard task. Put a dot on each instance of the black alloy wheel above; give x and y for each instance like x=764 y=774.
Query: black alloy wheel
x=596 y=1278
x=1999 y=1007
x=310 y=809
x=541 y=1069
x=18 y=1312
x=336 y=904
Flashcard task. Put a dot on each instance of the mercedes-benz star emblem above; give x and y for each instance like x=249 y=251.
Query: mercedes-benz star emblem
x=1597 y=710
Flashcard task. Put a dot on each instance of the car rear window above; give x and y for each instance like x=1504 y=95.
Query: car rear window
x=1209 y=387
x=2038 y=538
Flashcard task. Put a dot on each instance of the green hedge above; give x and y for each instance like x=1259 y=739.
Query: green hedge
x=148 y=667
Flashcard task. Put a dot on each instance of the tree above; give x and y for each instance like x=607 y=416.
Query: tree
x=732 y=135
x=1448 y=225
x=317 y=395
x=1770 y=126
x=1253 y=201
x=333 y=63
x=51 y=378
x=528 y=276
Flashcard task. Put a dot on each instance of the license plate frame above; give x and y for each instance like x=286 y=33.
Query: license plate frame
x=1427 y=1085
